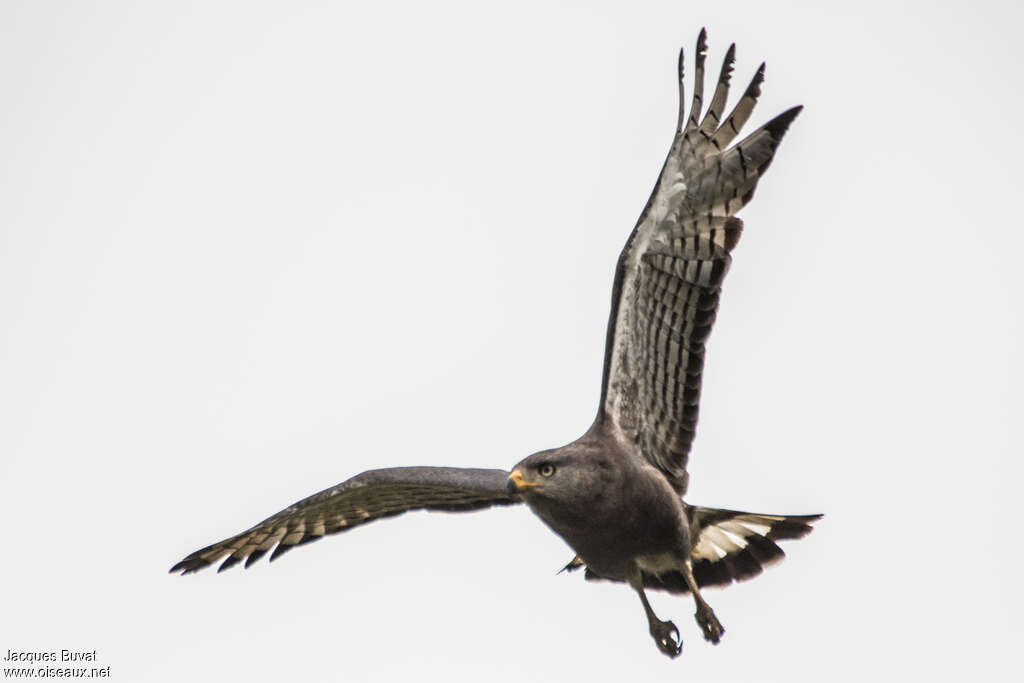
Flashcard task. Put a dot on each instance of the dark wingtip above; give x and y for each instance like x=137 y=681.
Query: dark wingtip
x=280 y=550
x=230 y=562
x=778 y=126
x=727 y=64
x=702 y=46
x=255 y=555
x=188 y=566
x=679 y=65
x=755 y=83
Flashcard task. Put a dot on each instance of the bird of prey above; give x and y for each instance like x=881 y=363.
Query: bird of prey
x=615 y=495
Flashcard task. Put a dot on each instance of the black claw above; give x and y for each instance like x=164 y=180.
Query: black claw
x=709 y=625
x=666 y=637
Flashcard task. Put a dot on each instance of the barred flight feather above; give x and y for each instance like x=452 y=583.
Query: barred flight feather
x=713 y=117
x=670 y=273
x=698 y=82
x=362 y=499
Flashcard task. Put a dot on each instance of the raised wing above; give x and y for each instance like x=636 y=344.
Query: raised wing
x=363 y=498
x=669 y=275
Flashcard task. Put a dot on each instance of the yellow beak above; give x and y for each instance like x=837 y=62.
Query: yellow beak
x=520 y=483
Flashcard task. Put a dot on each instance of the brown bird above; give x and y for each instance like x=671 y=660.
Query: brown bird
x=615 y=495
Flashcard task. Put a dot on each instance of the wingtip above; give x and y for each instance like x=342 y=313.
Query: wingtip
x=778 y=126
x=228 y=563
x=280 y=550
x=186 y=567
x=728 y=63
x=254 y=556
x=754 y=89
x=702 y=43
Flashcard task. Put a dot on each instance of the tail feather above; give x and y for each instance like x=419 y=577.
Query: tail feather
x=735 y=546
x=730 y=546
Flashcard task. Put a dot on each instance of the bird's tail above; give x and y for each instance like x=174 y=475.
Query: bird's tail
x=735 y=546
x=729 y=545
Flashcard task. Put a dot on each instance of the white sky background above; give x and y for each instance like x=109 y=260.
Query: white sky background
x=248 y=250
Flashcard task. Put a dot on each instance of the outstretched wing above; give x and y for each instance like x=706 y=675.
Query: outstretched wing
x=669 y=275
x=363 y=498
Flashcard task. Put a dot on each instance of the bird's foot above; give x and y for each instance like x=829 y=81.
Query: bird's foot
x=709 y=623
x=666 y=636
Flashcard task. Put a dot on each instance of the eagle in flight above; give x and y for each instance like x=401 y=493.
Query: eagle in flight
x=615 y=495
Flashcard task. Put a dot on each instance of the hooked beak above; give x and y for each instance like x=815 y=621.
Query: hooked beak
x=517 y=483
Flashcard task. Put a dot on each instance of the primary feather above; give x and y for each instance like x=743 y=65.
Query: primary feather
x=364 y=498
x=669 y=275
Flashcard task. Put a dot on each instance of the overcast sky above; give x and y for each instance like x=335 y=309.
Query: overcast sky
x=249 y=249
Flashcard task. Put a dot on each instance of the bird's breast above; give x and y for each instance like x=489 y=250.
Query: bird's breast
x=640 y=522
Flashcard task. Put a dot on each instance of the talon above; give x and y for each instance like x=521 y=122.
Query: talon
x=709 y=624
x=666 y=637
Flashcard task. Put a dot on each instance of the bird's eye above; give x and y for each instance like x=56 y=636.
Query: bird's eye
x=546 y=470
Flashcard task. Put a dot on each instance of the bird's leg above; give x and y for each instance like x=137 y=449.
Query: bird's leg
x=665 y=633
x=706 y=618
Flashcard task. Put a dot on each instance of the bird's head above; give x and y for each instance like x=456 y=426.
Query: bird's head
x=536 y=475
x=561 y=475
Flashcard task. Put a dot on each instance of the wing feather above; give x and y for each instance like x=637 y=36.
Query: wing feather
x=369 y=496
x=669 y=276
x=728 y=131
x=713 y=117
x=693 y=123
